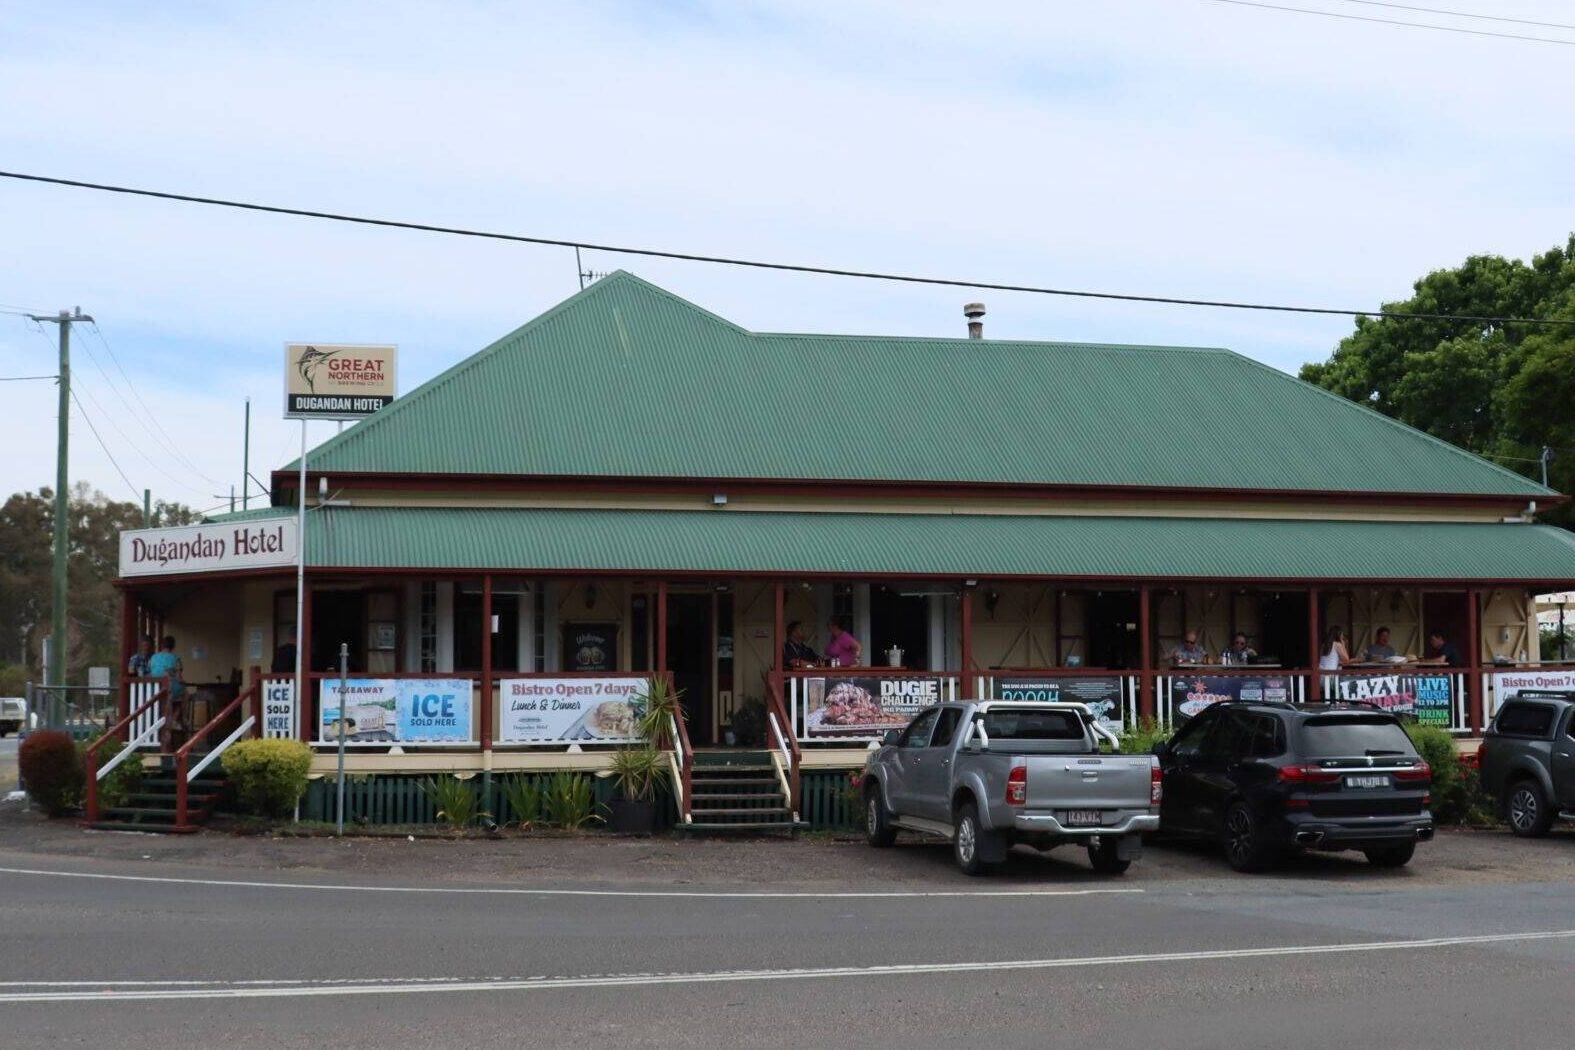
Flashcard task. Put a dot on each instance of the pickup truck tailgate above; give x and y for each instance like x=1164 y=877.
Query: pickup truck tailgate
x=1089 y=781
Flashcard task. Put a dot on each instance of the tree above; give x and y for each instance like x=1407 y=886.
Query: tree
x=1502 y=391
x=26 y=522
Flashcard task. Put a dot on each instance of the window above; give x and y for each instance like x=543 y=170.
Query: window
x=918 y=732
x=1032 y=725
x=946 y=727
x=1518 y=718
x=1189 y=741
x=1353 y=736
x=1229 y=737
x=428 y=626
x=1266 y=738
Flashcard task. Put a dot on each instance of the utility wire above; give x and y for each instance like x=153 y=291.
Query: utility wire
x=759 y=264
x=99 y=438
x=1395 y=22
x=1463 y=14
x=21 y=379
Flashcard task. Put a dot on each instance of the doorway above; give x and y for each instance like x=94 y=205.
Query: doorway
x=689 y=660
x=1111 y=621
x=901 y=620
x=468 y=627
x=338 y=617
x=1445 y=612
x=1282 y=629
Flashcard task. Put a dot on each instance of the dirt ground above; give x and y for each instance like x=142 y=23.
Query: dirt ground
x=810 y=861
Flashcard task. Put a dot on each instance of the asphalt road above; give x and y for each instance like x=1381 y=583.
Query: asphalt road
x=139 y=952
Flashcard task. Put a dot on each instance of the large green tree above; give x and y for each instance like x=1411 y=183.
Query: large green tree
x=93 y=615
x=1500 y=390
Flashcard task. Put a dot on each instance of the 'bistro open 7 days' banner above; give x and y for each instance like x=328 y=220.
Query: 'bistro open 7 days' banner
x=397 y=710
x=553 y=710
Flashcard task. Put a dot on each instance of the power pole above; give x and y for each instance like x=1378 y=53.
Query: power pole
x=55 y=673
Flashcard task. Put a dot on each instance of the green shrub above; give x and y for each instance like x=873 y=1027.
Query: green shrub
x=120 y=783
x=51 y=768
x=1141 y=738
x=659 y=707
x=1457 y=794
x=269 y=775
x=454 y=800
x=636 y=771
x=568 y=801
x=522 y=794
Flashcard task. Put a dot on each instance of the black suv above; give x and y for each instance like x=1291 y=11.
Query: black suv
x=1267 y=778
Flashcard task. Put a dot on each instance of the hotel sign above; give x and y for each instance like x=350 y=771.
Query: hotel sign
x=267 y=544
x=332 y=381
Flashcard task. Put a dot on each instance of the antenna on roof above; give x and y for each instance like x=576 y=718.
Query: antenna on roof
x=585 y=275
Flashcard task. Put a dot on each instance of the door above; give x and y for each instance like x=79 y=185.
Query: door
x=1111 y=621
x=690 y=660
x=908 y=762
x=338 y=617
x=1564 y=763
x=933 y=784
x=901 y=620
x=1445 y=612
x=1282 y=629
x=1215 y=770
x=1180 y=767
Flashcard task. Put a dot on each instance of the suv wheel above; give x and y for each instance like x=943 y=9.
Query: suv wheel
x=1104 y=857
x=1391 y=856
x=970 y=842
x=878 y=831
x=1247 y=847
x=1527 y=809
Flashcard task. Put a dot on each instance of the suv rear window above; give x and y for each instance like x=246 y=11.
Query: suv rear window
x=1352 y=736
x=1518 y=718
x=1032 y=725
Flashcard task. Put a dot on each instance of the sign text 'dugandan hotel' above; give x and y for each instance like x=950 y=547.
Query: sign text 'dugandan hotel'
x=333 y=381
x=271 y=543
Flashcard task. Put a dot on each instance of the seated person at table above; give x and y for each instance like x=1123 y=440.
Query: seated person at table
x=1441 y=652
x=1189 y=651
x=1239 y=652
x=796 y=653
x=1335 y=653
x=1380 y=651
x=843 y=650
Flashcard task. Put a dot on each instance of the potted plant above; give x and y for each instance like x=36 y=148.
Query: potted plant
x=635 y=772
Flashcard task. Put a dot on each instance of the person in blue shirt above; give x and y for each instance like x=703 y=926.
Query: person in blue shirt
x=166 y=664
x=137 y=666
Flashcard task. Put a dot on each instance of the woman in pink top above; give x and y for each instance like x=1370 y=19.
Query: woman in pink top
x=843 y=650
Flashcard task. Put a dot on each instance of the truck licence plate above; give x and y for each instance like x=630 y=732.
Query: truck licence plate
x=1367 y=782
x=1082 y=818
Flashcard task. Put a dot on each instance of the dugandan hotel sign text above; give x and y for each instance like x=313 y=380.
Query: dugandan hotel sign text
x=209 y=548
x=333 y=381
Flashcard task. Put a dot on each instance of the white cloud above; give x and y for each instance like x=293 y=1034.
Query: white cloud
x=1163 y=146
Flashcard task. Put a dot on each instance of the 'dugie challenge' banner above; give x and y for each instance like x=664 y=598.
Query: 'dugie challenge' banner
x=859 y=706
x=1190 y=694
x=1426 y=697
x=1102 y=696
x=565 y=710
x=397 y=710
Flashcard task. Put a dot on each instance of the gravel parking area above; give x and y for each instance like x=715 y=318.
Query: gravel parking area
x=808 y=862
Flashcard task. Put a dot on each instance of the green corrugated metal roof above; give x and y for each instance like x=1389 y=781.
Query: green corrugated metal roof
x=625 y=379
x=253 y=514
x=932 y=544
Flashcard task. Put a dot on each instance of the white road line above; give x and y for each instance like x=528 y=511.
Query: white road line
x=405 y=986
x=530 y=892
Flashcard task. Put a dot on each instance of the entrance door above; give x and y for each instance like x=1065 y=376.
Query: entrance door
x=900 y=620
x=338 y=616
x=1446 y=613
x=689 y=658
x=1282 y=629
x=1111 y=621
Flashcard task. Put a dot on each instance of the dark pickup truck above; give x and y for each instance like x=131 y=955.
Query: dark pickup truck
x=1527 y=759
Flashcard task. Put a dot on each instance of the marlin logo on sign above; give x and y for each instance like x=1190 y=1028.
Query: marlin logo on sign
x=311 y=360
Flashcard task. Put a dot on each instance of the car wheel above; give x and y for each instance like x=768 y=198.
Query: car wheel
x=1527 y=810
x=1247 y=847
x=1391 y=856
x=969 y=842
x=878 y=831
x=1104 y=857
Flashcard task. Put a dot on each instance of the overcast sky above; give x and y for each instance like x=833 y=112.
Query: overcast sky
x=1176 y=147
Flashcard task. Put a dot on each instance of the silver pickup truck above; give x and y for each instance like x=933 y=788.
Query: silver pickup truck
x=987 y=775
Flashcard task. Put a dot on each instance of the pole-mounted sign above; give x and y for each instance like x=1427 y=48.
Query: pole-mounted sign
x=331 y=381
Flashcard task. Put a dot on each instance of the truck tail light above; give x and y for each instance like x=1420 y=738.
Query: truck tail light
x=1422 y=773
x=1017 y=786
x=1156 y=785
x=1300 y=775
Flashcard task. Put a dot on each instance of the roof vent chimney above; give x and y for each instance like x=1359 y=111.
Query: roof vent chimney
x=975 y=314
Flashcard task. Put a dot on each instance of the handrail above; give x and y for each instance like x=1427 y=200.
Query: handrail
x=778 y=712
x=784 y=767
x=676 y=759
x=90 y=756
x=183 y=776
x=686 y=766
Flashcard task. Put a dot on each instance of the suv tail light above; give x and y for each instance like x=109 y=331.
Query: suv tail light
x=1308 y=775
x=1017 y=786
x=1156 y=785
x=1422 y=773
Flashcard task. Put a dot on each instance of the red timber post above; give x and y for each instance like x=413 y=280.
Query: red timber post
x=1474 y=661
x=128 y=645
x=1314 y=649
x=257 y=701
x=486 y=662
x=1145 y=653
x=661 y=626
x=966 y=616
x=779 y=613
x=304 y=701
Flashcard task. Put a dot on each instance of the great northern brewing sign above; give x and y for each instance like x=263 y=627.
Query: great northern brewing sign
x=265 y=544
x=333 y=381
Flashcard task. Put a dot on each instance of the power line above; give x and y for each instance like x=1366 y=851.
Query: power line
x=1464 y=14
x=1396 y=22
x=21 y=379
x=136 y=495
x=759 y=264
